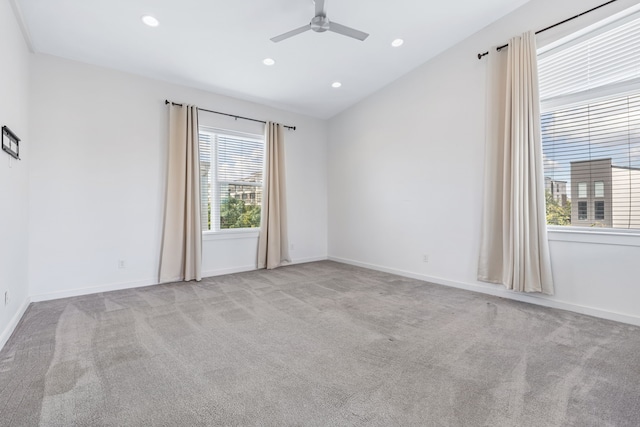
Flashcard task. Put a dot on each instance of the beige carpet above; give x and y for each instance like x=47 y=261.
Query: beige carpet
x=319 y=344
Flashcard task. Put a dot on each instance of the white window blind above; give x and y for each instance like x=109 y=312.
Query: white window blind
x=231 y=167
x=592 y=61
x=590 y=97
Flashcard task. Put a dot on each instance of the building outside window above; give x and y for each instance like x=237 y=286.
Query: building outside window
x=597 y=173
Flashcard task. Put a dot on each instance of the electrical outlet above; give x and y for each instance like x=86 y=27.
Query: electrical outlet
x=425 y=258
x=122 y=264
x=6 y=298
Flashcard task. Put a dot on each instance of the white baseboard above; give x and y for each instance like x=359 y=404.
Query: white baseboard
x=11 y=326
x=242 y=269
x=231 y=270
x=489 y=289
x=499 y=291
x=148 y=282
x=93 y=290
x=309 y=259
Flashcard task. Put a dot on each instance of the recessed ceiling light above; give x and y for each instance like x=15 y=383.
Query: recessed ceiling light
x=268 y=61
x=336 y=84
x=150 y=21
x=397 y=43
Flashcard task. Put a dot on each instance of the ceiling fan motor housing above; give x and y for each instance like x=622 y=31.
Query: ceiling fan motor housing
x=320 y=24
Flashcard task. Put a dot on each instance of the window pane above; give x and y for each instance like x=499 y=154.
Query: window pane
x=582 y=190
x=590 y=121
x=595 y=149
x=598 y=189
x=240 y=206
x=582 y=210
x=599 y=210
x=240 y=164
x=231 y=180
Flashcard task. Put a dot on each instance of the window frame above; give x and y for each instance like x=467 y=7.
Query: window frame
x=582 y=234
x=217 y=233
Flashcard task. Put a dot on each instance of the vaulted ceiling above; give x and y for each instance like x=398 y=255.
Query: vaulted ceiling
x=220 y=45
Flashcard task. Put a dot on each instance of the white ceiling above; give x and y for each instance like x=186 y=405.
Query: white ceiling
x=219 y=45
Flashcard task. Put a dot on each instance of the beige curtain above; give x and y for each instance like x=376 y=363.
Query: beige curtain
x=514 y=247
x=181 y=255
x=273 y=244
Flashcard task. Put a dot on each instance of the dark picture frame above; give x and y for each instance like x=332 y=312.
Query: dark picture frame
x=10 y=143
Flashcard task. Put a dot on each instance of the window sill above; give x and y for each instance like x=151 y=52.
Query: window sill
x=251 y=233
x=604 y=236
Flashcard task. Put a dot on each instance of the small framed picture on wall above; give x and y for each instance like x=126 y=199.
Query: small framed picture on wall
x=10 y=143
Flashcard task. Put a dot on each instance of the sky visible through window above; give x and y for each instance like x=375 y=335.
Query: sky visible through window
x=239 y=159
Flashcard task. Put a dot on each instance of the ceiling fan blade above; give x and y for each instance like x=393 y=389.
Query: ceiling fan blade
x=320 y=8
x=347 y=31
x=291 y=33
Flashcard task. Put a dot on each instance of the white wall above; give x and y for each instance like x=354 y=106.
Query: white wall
x=14 y=202
x=404 y=176
x=98 y=178
x=406 y=173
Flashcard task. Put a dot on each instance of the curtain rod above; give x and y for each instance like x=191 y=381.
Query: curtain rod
x=166 y=101
x=499 y=48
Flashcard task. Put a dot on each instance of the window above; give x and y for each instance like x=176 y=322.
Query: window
x=598 y=208
x=582 y=210
x=231 y=166
x=598 y=189
x=582 y=190
x=590 y=117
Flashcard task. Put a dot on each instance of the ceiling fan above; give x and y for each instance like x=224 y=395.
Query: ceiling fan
x=320 y=23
